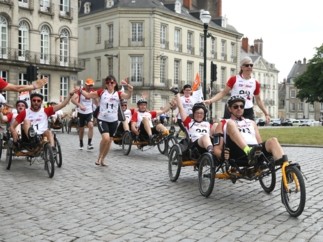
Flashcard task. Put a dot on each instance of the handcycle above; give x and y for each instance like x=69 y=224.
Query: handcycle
x=73 y=123
x=293 y=192
x=59 y=124
x=35 y=149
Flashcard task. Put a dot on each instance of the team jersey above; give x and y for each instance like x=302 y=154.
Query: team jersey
x=188 y=103
x=196 y=129
x=128 y=114
x=3 y=83
x=137 y=117
x=39 y=120
x=86 y=102
x=246 y=88
x=109 y=103
x=246 y=129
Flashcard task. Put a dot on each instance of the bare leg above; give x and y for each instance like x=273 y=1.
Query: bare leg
x=205 y=141
x=105 y=145
x=272 y=145
x=90 y=131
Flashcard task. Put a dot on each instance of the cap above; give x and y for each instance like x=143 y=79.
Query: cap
x=89 y=82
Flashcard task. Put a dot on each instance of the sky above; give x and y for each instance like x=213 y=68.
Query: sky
x=290 y=29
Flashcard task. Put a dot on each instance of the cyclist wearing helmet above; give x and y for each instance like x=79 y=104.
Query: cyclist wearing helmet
x=10 y=116
x=108 y=113
x=141 y=121
x=244 y=85
x=241 y=134
x=37 y=117
x=197 y=127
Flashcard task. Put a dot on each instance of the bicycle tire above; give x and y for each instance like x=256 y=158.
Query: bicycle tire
x=59 y=156
x=126 y=143
x=294 y=176
x=49 y=160
x=268 y=185
x=174 y=163
x=206 y=175
x=9 y=153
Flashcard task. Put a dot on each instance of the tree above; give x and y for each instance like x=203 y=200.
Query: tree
x=310 y=83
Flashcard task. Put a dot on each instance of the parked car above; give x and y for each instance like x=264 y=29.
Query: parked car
x=287 y=122
x=260 y=122
x=275 y=122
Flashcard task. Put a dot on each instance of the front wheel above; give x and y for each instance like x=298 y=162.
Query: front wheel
x=267 y=178
x=294 y=195
x=206 y=174
x=58 y=156
x=126 y=143
x=49 y=160
x=9 y=153
x=174 y=163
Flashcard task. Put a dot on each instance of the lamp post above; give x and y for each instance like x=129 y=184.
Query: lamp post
x=205 y=17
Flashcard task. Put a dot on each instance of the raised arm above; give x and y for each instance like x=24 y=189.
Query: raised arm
x=64 y=103
x=127 y=95
x=181 y=110
x=21 y=88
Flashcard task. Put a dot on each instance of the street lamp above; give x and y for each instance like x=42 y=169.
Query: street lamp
x=205 y=17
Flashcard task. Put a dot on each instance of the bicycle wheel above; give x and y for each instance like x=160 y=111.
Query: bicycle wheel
x=294 y=197
x=1 y=145
x=206 y=174
x=49 y=160
x=171 y=141
x=126 y=143
x=267 y=178
x=9 y=153
x=162 y=145
x=58 y=156
x=174 y=163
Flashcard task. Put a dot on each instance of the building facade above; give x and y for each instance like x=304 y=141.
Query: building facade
x=156 y=45
x=42 y=33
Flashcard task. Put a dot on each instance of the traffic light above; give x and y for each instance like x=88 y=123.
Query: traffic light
x=213 y=72
x=32 y=72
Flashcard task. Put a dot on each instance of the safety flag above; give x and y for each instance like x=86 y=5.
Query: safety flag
x=196 y=82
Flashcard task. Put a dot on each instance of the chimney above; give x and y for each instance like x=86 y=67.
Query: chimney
x=187 y=4
x=245 y=44
x=304 y=61
x=258 y=43
x=252 y=49
x=218 y=8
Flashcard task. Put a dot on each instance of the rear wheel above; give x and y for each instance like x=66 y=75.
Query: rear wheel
x=294 y=196
x=126 y=143
x=206 y=174
x=58 y=156
x=49 y=160
x=174 y=163
x=162 y=145
x=171 y=141
x=9 y=153
x=267 y=178
x=1 y=145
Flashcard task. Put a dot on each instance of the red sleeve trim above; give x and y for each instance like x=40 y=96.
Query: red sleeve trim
x=21 y=117
x=257 y=90
x=232 y=81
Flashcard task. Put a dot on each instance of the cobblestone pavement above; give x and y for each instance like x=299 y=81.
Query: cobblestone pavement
x=133 y=200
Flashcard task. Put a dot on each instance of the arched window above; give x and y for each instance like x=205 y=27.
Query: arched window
x=44 y=45
x=23 y=41
x=3 y=37
x=64 y=47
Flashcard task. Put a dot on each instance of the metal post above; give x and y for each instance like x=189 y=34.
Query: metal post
x=204 y=65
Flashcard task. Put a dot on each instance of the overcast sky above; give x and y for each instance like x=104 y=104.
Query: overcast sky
x=290 y=29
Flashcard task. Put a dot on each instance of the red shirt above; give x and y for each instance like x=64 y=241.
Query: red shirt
x=3 y=84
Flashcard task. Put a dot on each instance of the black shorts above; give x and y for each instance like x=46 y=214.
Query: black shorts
x=143 y=133
x=84 y=119
x=107 y=127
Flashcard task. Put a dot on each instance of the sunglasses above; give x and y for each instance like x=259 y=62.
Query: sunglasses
x=248 y=65
x=124 y=105
x=36 y=100
x=108 y=82
x=238 y=106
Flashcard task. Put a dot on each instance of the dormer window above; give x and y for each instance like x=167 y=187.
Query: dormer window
x=87 y=7
x=109 y=3
x=178 y=6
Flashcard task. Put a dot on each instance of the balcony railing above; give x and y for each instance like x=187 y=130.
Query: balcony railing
x=108 y=44
x=46 y=9
x=190 y=49
x=11 y=54
x=65 y=13
x=136 y=43
x=178 y=47
x=164 y=44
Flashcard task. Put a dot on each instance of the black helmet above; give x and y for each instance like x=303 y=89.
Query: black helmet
x=197 y=106
x=235 y=99
x=142 y=100
x=36 y=94
x=22 y=101
x=123 y=101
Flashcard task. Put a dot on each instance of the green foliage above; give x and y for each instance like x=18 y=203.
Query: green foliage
x=310 y=83
x=294 y=135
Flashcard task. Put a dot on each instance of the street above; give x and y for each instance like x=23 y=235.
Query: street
x=132 y=199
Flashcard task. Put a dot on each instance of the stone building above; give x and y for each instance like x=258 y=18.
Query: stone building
x=42 y=33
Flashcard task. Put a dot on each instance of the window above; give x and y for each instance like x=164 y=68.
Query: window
x=190 y=43
x=135 y=98
x=44 y=90
x=223 y=76
x=177 y=40
x=3 y=37
x=201 y=71
x=63 y=87
x=64 y=7
x=44 y=5
x=311 y=107
x=110 y=65
x=109 y=3
x=233 y=52
x=137 y=32
x=292 y=93
x=163 y=70
x=163 y=36
x=136 y=69
x=87 y=7
x=98 y=34
x=23 y=41
x=213 y=48
x=189 y=74
x=176 y=71
x=64 y=48
x=44 y=45
x=98 y=68
x=110 y=34
x=224 y=50
x=3 y=75
x=201 y=45
x=300 y=107
x=292 y=106
x=23 y=3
